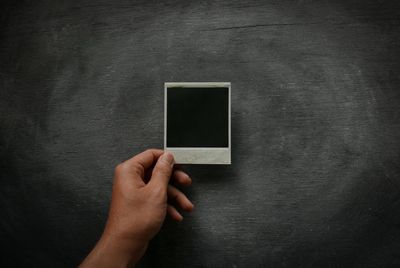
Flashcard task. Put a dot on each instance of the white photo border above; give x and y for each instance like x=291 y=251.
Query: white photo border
x=199 y=155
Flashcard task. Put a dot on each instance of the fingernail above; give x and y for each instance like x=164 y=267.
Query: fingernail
x=167 y=157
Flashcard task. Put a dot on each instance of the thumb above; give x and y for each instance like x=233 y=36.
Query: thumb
x=162 y=170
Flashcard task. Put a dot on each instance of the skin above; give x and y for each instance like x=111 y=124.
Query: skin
x=142 y=196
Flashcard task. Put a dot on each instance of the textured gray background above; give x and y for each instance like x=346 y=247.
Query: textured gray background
x=315 y=179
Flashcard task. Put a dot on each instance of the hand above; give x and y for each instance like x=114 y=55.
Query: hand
x=139 y=204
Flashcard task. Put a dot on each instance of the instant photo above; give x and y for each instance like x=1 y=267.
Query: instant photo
x=197 y=122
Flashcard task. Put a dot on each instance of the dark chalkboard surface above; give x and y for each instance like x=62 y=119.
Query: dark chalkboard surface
x=315 y=174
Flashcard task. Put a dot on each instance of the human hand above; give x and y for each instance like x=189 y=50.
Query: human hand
x=141 y=198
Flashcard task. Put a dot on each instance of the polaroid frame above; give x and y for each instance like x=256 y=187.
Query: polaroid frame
x=199 y=155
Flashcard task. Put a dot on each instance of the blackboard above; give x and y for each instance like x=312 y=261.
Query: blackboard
x=315 y=174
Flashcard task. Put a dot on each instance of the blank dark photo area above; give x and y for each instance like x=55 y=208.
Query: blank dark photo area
x=197 y=117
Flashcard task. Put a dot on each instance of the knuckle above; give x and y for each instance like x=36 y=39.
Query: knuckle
x=172 y=192
x=124 y=168
x=136 y=168
x=148 y=151
x=178 y=197
x=120 y=168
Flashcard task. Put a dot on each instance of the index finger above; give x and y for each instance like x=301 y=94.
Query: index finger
x=145 y=159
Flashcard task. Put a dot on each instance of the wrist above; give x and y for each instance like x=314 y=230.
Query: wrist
x=128 y=250
x=114 y=251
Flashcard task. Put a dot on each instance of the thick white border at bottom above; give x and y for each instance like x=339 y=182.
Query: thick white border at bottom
x=213 y=156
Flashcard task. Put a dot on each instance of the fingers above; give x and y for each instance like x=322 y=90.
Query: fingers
x=174 y=213
x=144 y=160
x=180 y=198
x=139 y=163
x=162 y=171
x=182 y=178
